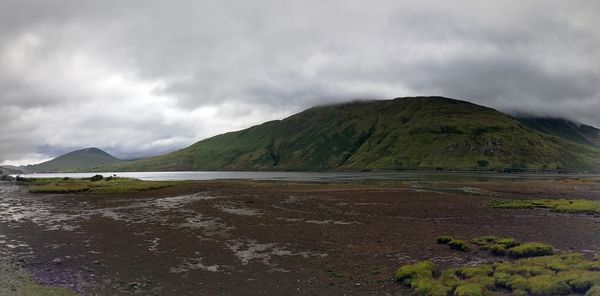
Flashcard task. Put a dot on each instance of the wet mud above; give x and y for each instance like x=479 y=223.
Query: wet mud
x=273 y=238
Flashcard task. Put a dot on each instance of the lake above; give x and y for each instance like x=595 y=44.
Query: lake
x=315 y=176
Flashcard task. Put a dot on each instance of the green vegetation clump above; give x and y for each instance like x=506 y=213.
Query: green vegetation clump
x=114 y=185
x=444 y=239
x=496 y=246
x=498 y=249
x=460 y=245
x=531 y=250
x=564 y=274
x=483 y=241
x=594 y=291
x=544 y=285
x=573 y=206
x=508 y=242
x=420 y=270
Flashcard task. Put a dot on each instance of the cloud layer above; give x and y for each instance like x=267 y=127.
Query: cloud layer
x=140 y=78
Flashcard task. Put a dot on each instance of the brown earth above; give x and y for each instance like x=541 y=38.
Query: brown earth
x=275 y=238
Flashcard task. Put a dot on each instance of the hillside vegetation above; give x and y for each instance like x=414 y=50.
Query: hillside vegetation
x=579 y=133
x=400 y=134
x=73 y=161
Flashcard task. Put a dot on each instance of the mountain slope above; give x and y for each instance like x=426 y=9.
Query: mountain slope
x=579 y=133
x=87 y=158
x=405 y=133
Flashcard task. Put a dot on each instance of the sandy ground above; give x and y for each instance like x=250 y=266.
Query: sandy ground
x=273 y=238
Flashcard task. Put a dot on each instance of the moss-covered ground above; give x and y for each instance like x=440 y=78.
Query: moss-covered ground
x=564 y=274
x=574 y=206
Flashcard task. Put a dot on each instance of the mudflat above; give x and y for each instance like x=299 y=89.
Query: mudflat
x=276 y=238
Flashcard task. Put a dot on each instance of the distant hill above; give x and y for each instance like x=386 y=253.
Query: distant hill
x=9 y=170
x=576 y=132
x=401 y=134
x=78 y=160
x=6 y=171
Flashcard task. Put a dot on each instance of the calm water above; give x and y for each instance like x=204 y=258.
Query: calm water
x=312 y=176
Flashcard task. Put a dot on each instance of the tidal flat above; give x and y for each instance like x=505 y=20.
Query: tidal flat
x=277 y=237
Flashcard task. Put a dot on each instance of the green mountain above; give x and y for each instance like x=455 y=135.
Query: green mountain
x=399 y=134
x=576 y=132
x=78 y=160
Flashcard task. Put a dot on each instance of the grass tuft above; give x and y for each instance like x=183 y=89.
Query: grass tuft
x=531 y=250
x=421 y=270
x=525 y=276
x=460 y=245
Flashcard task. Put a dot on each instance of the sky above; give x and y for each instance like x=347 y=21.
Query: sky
x=141 y=78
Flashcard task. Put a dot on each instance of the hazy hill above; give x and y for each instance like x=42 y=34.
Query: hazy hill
x=576 y=132
x=10 y=170
x=405 y=133
x=73 y=161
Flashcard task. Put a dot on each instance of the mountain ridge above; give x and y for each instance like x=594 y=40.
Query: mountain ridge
x=430 y=133
x=564 y=128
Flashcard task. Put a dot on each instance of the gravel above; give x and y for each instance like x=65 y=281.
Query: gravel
x=11 y=278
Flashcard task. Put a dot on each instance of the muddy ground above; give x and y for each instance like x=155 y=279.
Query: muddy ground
x=274 y=238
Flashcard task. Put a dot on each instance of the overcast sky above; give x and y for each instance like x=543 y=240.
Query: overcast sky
x=140 y=78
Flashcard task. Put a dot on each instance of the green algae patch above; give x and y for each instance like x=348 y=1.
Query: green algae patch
x=101 y=186
x=572 y=206
x=531 y=250
x=565 y=274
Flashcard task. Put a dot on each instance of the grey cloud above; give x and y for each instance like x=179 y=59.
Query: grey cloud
x=142 y=78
